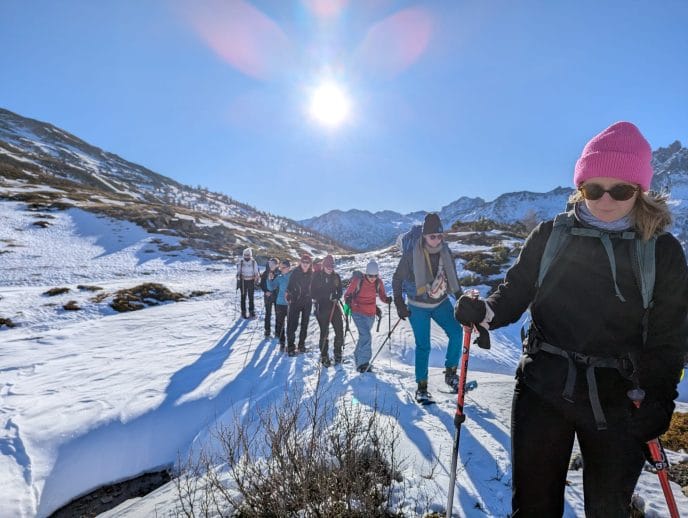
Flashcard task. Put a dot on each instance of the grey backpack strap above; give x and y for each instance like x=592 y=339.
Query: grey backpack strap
x=561 y=232
x=644 y=257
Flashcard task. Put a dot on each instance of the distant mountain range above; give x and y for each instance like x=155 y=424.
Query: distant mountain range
x=364 y=230
x=48 y=167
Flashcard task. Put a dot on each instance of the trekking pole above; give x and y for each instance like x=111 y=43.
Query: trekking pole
x=389 y=335
x=379 y=321
x=658 y=458
x=661 y=464
x=459 y=416
x=348 y=329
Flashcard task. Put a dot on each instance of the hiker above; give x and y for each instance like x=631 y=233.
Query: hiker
x=277 y=283
x=427 y=274
x=597 y=335
x=300 y=304
x=326 y=290
x=247 y=276
x=360 y=296
x=269 y=296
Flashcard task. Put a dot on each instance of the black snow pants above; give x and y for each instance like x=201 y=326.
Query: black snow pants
x=280 y=317
x=247 y=288
x=300 y=308
x=542 y=435
x=325 y=309
x=269 y=303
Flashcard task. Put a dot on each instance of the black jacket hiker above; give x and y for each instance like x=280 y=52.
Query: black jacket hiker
x=300 y=306
x=326 y=290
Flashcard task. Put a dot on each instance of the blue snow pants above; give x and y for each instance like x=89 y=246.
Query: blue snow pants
x=443 y=314
x=363 y=351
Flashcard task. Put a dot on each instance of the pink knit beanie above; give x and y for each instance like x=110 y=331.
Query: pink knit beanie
x=620 y=152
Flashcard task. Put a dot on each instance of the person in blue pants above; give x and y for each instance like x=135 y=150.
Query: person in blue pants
x=427 y=274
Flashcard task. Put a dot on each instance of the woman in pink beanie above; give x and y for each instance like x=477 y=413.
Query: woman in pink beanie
x=603 y=333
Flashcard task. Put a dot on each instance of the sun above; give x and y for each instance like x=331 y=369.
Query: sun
x=330 y=105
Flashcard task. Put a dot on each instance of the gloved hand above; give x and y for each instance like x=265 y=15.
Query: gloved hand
x=378 y=312
x=483 y=338
x=347 y=300
x=288 y=297
x=334 y=296
x=470 y=311
x=388 y=300
x=650 y=420
x=402 y=308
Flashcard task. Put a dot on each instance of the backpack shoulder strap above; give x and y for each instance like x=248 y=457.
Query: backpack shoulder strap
x=561 y=232
x=643 y=259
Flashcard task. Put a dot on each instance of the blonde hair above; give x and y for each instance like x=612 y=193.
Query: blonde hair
x=650 y=214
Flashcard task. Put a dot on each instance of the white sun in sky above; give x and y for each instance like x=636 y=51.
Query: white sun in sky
x=330 y=105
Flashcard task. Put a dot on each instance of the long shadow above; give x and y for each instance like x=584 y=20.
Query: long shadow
x=152 y=440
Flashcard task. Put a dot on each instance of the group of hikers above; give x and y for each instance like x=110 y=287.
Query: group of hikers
x=606 y=285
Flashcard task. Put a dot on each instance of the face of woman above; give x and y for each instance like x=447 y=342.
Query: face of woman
x=607 y=208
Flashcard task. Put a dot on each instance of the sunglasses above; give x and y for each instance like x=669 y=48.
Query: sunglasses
x=304 y=261
x=434 y=237
x=369 y=275
x=618 y=192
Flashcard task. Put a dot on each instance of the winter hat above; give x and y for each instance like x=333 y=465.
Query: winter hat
x=248 y=252
x=328 y=262
x=432 y=224
x=306 y=257
x=285 y=262
x=621 y=152
x=372 y=269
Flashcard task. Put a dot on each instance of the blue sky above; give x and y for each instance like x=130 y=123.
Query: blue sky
x=448 y=98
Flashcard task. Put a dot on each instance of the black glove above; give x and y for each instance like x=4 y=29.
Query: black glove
x=348 y=299
x=483 y=338
x=402 y=308
x=388 y=300
x=470 y=311
x=334 y=296
x=378 y=312
x=650 y=420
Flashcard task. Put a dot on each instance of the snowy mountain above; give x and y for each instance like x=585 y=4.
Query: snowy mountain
x=46 y=166
x=363 y=230
x=91 y=396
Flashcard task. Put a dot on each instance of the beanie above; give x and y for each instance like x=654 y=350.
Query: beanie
x=328 y=262
x=432 y=224
x=371 y=268
x=620 y=152
x=248 y=252
x=306 y=257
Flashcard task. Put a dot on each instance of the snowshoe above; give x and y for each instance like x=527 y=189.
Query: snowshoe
x=291 y=352
x=451 y=379
x=423 y=397
x=302 y=349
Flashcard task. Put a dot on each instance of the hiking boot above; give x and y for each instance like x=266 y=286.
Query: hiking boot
x=451 y=378
x=422 y=395
x=267 y=334
x=281 y=347
x=364 y=368
x=325 y=361
x=253 y=314
x=337 y=360
x=302 y=348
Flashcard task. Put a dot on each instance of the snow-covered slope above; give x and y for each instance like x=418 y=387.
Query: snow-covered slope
x=93 y=396
x=42 y=164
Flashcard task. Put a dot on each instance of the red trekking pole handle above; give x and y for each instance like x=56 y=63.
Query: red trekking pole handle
x=661 y=464
x=658 y=457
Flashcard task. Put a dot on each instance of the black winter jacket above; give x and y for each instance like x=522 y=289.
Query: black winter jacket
x=326 y=287
x=576 y=309
x=299 y=287
x=264 y=282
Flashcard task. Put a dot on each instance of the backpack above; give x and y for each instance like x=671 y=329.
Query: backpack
x=406 y=241
x=643 y=256
x=358 y=274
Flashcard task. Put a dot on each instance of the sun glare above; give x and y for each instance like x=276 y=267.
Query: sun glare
x=330 y=105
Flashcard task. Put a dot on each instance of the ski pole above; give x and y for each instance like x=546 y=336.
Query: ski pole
x=459 y=416
x=661 y=464
x=348 y=329
x=379 y=321
x=389 y=335
x=658 y=457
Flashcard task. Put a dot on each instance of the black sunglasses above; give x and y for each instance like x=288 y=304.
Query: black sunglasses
x=618 y=192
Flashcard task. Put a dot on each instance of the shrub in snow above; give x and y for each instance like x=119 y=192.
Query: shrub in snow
x=55 y=291
x=147 y=294
x=6 y=322
x=71 y=306
x=297 y=457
